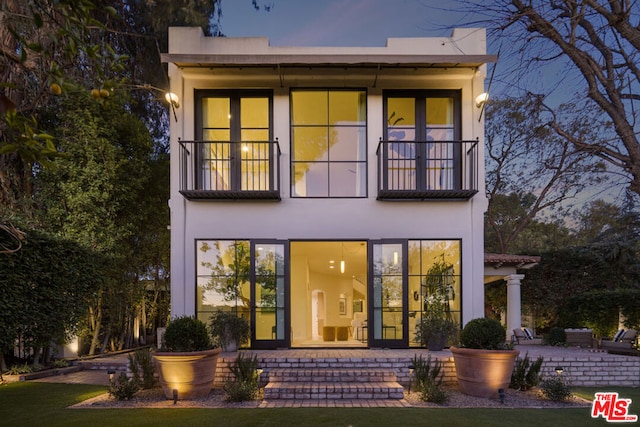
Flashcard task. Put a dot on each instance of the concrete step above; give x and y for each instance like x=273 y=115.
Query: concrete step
x=333 y=390
x=344 y=375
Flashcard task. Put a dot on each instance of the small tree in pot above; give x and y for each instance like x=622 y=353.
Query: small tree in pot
x=229 y=330
x=434 y=332
x=484 y=362
x=187 y=362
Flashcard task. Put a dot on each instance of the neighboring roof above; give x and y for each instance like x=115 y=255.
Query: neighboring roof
x=518 y=261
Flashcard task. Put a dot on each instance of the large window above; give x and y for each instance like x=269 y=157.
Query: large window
x=223 y=268
x=328 y=139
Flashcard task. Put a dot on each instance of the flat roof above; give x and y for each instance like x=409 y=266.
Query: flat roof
x=327 y=60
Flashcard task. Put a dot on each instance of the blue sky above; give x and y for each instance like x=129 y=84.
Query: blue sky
x=364 y=23
x=333 y=22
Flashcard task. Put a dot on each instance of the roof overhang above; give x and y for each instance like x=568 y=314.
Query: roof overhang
x=497 y=266
x=375 y=61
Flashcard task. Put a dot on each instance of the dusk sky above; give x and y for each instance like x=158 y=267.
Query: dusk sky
x=332 y=22
x=369 y=23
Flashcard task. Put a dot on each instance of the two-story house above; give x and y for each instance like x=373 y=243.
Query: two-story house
x=322 y=191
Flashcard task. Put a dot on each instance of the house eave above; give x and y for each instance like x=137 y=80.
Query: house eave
x=373 y=61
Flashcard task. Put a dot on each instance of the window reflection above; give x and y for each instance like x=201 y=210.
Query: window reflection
x=328 y=143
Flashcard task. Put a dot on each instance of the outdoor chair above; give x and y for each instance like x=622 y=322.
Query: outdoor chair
x=525 y=336
x=623 y=342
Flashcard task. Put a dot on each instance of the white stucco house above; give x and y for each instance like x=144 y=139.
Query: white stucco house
x=318 y=190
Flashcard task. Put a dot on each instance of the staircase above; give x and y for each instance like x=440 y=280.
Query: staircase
x=318 y=379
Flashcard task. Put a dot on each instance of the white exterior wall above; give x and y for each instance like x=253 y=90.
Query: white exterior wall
x=326 y=218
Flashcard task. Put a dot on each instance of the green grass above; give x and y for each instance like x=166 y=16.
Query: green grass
x=38 y=404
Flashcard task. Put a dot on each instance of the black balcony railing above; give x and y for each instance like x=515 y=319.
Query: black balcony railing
x=230 y=170
x=427 y=170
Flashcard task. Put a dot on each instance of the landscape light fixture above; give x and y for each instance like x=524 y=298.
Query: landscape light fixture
x=559 y=370
x=482 y=99
x=412 y=369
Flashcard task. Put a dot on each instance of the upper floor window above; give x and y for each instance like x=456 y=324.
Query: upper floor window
x=328 y=143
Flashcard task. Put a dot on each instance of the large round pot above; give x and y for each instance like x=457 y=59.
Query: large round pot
x=482 y=373
x=190 y=373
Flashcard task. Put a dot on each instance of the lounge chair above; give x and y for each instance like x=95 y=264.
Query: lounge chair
x=623 y=342
x=525 y=336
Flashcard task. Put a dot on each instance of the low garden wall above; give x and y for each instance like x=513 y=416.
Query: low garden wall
x=590 y=370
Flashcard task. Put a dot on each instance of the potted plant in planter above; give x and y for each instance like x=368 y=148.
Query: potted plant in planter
x=434 y=332
x=187 y=361
x=484 y=362
x=229 y=330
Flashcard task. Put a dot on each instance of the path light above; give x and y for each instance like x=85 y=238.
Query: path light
x=111 y=374
x=259 y=372
x=412 y=369
x=501 y=394
x=559 y=371
x=175 y=396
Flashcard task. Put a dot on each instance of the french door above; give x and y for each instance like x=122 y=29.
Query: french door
x=387 y=325
x=269 y=279
x=422 y=128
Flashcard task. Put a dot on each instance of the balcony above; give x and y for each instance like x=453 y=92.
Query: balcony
x=427 y=170
x=229 y=170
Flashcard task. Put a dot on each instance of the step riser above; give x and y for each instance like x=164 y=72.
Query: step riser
x=330 y=375
x=333 y=391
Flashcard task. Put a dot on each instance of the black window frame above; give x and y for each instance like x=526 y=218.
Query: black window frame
x=292 y=160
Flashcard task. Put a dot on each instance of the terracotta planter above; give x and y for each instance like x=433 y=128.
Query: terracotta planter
x=190 y=373
x=482 y=373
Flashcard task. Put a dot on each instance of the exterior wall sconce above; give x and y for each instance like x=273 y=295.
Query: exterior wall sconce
x=172 y=99
x=482 y=99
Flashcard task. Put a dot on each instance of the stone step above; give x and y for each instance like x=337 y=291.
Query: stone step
x=344 y=375
x=334 y=390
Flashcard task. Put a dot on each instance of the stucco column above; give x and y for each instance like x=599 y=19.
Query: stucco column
x=514 y=313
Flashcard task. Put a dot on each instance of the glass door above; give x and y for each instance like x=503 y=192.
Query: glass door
x=269 y=293
x=388 y=290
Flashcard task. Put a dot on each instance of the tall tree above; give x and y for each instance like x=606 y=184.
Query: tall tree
x=530 y=170
x=594 y=46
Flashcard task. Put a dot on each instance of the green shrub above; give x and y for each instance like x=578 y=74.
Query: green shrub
x=555 y=389
x=227 y=327
x=557 y=336
x=483 y=333
x=123 y=388
x=142 y=368
x=244 y=385
x=20 y=369
x=427 y=380
x=526 y=374
x=59 y=363
x=185 y=334
x=434 y=393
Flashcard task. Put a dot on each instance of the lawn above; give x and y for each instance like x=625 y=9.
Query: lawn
x=38 y=404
